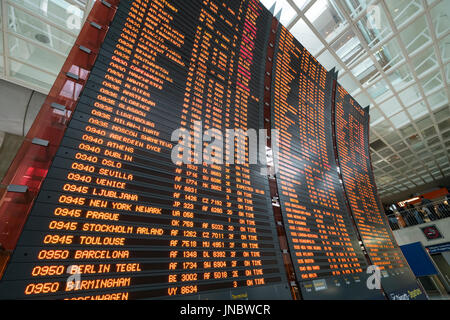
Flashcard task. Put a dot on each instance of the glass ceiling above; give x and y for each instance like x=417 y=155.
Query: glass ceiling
x=35 y=38
x=393 y=55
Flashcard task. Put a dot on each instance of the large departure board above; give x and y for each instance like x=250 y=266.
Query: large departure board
x=146 y=200
x=326 y=254
x=352 y=135
x=115 y=209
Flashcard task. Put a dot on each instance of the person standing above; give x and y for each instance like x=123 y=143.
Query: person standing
x=405 y=216
x=429 y=205
x=444 y=208
x=415 y=214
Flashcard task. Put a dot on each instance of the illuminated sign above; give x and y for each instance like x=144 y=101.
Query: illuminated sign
x=323 y=241
x=352 y=137
x=117 y=218
x=115 y=209
x=404 y=203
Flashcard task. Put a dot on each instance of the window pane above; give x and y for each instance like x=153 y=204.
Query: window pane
x=444 y=125
x=354 y=8
x=401 y=146
x=375 y=116
x=390 y=55
x=425 y=61
x=328 y=61
x=442 y=114
x=383 y=129
x=416 y=36
x=403 y=11
x=400 y=120
x=379 y=90
x=448 y=73
x=301 y=4
x=287 y=12
x=444 y=46
x=430 y=132
x=390 y=107
x=418 y=110
x=410 y=95
x=363 y=100
x=440 y=15
x=29 y=74
x=401 y=77
x=365 y=70
x=37 y=30
x=432 y=82
x=306 y=37
x=347 y=82
x=327 y=19
x=348 y=47
x=437 y=100
x=35 y=56
x=374 y=26
x=61 y=12
x=392 y=138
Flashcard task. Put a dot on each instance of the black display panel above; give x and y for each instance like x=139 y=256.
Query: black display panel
x=328 y=260
x=118 y=214
x=134 y=224
x=352 y=136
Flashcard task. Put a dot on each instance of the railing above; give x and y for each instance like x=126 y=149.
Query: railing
x=416 y=215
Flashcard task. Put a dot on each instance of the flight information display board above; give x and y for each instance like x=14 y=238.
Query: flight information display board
x=115 y=212
x=326 y=254
x=352 y=136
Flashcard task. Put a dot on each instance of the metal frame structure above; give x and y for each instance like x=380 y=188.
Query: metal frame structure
x=400 y=163
x=5 y=33
x=21 y=184
x=415 y=169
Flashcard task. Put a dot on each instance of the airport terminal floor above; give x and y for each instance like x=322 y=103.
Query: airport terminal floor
x=225 y=150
